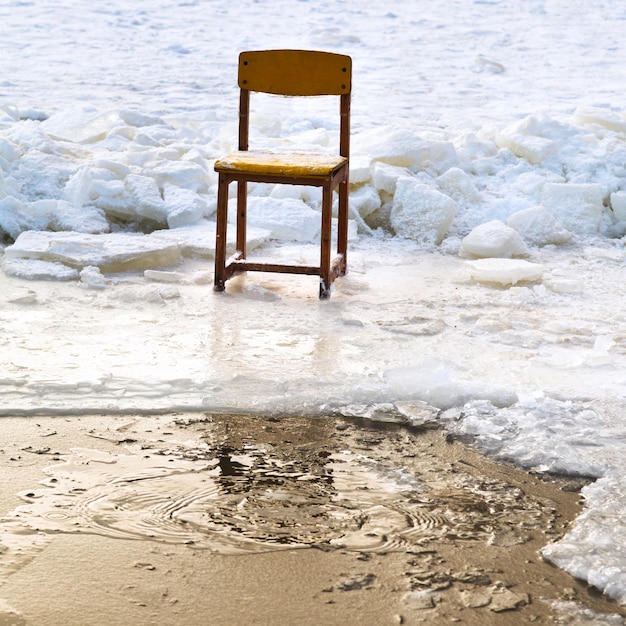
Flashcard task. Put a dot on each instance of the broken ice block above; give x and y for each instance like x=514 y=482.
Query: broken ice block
x=493 y=239
x=577 y=207
x=420 y=212
x=504 y=272
x=115 y=252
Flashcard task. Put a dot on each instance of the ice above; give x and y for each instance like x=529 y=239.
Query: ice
x=438 y=384
x=538 y=227
x=493 y=239
x=79 y=124
x=92 y=277
x=504 y=271
x=199 y=239
x=385 y=177
x=577 y=207
x=365 y=200
x=524 y=143
x=30 y=269
x=287 y=219
x=360 y=168
x=519 y=127
x=601 y=530
x=459 y=185
x=146 y=198
x=611 y=120
x=402 y=147
x=420 y=212
x=183 y=206
x=114 y=252
x=618 y=204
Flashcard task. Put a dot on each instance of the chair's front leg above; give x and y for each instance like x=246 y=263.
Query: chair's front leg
x=242 y=210
x=220 y=233
x=327 y=211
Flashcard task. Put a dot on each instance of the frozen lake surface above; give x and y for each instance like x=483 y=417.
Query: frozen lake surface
x=487 y=259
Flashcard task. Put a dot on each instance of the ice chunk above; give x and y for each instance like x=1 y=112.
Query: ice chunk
x=115 y=252
x=178 y=172
x=92 y=277
x=493 y=239
x=602 y=117
x=146 y=197
x=17 y=217
x=183 y=206
x=199 y=239
x=484 y=64
x=503 y=271
x=360 y=169
x=364 y=200
x=420 y=212
x=287 y=219
x=558 y=284
x=618 y=204
x=286 y=191
x=385 y=177
x=136 y=118
x=526 y=139
x=8 y=151
x=160 y=276
x=111 y=196
x=533 y=149
x=80 y=124
x=31 y=269
x=14 y=219
x=438 y=384
x=538 y=227
x=458 y=185
x=116 y=167
x=78 y=187
x=532 y=183
x=404 y=148
x=577 y=207
x=432 y=381
x=62 y=215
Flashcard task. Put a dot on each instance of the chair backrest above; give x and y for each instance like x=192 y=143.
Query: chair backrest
x=295 y=73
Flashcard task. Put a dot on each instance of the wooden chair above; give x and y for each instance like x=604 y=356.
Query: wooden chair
x=288 y=73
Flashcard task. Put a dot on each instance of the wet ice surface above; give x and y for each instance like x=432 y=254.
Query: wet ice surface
x=473 y=137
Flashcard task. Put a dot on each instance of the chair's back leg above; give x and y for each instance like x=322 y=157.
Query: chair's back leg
x=327 y=211
x=220 y=233
x=242 y=209
x=342 y=226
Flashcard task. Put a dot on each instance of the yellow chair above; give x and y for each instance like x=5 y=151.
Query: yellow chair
x=288 y=73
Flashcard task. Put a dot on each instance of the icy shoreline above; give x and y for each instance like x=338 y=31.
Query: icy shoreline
x=487 y=240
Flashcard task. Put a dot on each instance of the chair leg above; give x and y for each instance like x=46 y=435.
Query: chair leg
x=220 y=234
x=327 y=210
x=242 y=210
x=342 y=227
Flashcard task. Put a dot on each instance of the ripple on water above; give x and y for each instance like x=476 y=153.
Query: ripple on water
x=245 y=500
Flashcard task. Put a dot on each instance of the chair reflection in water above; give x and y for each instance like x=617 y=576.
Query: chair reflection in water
x=288 y=73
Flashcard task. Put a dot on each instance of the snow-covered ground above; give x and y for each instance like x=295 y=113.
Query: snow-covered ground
x=487 y=260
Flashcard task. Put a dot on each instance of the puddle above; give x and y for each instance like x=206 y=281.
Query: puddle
x=256 y=485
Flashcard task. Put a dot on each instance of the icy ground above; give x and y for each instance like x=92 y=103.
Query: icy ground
x=488 y=216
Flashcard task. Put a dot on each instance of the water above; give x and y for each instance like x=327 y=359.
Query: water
x=250 y=484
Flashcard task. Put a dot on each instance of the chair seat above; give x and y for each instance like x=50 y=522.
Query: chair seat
x=284 y=164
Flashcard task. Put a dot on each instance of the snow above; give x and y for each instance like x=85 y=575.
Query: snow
x=488 y=215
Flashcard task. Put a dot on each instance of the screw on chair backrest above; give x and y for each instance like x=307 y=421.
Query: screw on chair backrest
x=295 y=73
